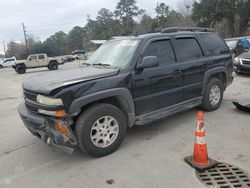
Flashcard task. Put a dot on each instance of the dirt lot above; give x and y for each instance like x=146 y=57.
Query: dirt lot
x=151 y=156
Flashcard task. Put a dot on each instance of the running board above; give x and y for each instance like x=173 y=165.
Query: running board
x=166 y=112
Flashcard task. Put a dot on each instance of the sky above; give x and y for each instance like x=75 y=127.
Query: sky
x=43 y=18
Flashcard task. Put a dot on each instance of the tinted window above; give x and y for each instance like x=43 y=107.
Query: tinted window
x=7 y=60
x=189 y=49
x=214 y=44
x=162 y=49
x=40 y=56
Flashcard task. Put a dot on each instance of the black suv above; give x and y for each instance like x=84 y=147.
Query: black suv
x=127 y=81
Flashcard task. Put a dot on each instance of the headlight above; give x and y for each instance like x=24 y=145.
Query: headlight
x=49 y=101
x=237 y=61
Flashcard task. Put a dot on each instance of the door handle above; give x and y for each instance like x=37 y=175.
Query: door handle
x=177 y=73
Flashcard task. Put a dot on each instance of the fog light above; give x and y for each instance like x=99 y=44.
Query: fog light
x=61 y=128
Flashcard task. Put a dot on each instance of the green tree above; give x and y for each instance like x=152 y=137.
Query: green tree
x=75 y=38
x=146 y=24
x=125 y=11
x=207 y=12
x=162 y=10
x=56 y=44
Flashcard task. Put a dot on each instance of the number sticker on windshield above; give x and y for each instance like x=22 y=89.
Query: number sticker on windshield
x=128 y=43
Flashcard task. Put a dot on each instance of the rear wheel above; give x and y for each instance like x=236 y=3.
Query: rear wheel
x=53 y=65
x=213 y=95
x=101 y=129
x=20 y=69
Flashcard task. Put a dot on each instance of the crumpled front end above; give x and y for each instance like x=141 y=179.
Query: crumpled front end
x=54 y=131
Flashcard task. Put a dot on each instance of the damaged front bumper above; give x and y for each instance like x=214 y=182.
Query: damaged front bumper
x=53 y=131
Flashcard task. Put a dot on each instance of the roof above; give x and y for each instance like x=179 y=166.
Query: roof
x=98 y=41
x=167 y=32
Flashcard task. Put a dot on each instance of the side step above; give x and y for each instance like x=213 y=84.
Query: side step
x=168 y=111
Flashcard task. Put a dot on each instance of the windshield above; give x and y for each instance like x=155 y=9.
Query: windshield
x=114 y=53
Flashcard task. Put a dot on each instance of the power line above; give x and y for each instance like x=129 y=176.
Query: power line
x=25 y=37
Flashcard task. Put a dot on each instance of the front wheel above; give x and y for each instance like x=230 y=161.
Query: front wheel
x=20 y=69
x=101 y=129
x=213 y=95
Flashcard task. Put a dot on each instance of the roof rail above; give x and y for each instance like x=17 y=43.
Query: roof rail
x=192 y=29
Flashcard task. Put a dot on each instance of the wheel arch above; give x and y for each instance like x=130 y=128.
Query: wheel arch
x=20 y=64
x=119 y=97
x=53 y=61
x=220 y=73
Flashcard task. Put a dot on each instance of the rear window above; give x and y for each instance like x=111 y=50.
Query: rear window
x=214 y=44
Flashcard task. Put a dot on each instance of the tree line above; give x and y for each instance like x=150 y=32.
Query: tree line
x=230 y=18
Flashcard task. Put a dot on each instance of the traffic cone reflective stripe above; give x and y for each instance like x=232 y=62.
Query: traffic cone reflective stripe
x=200 y=159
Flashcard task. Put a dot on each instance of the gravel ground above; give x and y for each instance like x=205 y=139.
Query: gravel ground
x=150 y=156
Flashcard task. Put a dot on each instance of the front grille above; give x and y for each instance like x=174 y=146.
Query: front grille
x=31 y=108
x=30 y=95
x=245 y=62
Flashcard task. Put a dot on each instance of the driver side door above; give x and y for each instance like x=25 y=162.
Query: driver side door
x=158 y=87
x=32 y=61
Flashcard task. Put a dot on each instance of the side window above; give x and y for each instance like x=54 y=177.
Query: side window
x=214 y=44
x=32 y=57
x=163 y=50
x=189 y=49
x=40 y=56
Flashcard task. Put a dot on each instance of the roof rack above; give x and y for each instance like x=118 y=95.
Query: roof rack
x=192 y=29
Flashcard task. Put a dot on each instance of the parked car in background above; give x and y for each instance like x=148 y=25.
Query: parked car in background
x=68 y=59
x=242 y=63
x=7 y=62
x=36 y=61
x=78 y=54
x=237 y=46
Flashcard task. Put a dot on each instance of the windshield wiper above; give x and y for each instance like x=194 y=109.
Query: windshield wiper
x=101 y=64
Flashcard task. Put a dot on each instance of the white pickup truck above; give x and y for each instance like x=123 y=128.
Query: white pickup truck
x=36 y=61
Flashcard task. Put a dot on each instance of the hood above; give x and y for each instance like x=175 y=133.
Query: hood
x=45 y=83
x=245 y=55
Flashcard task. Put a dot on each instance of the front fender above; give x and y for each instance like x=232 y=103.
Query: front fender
x=122 y=94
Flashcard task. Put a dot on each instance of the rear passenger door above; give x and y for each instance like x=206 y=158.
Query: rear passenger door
x=193 y=65
x=158 y=87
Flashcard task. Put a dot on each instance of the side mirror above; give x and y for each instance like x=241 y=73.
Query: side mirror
x=148 y=62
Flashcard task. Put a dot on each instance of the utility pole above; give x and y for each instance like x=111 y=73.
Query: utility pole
x=25 y=37
x=4 y=49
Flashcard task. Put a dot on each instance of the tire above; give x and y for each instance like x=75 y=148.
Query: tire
x=213 y=95
x=53 y=65
x=87 y=129
x=20 y=69
x=1 y=66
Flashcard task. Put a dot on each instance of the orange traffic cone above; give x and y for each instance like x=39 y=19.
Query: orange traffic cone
x=200 y=159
